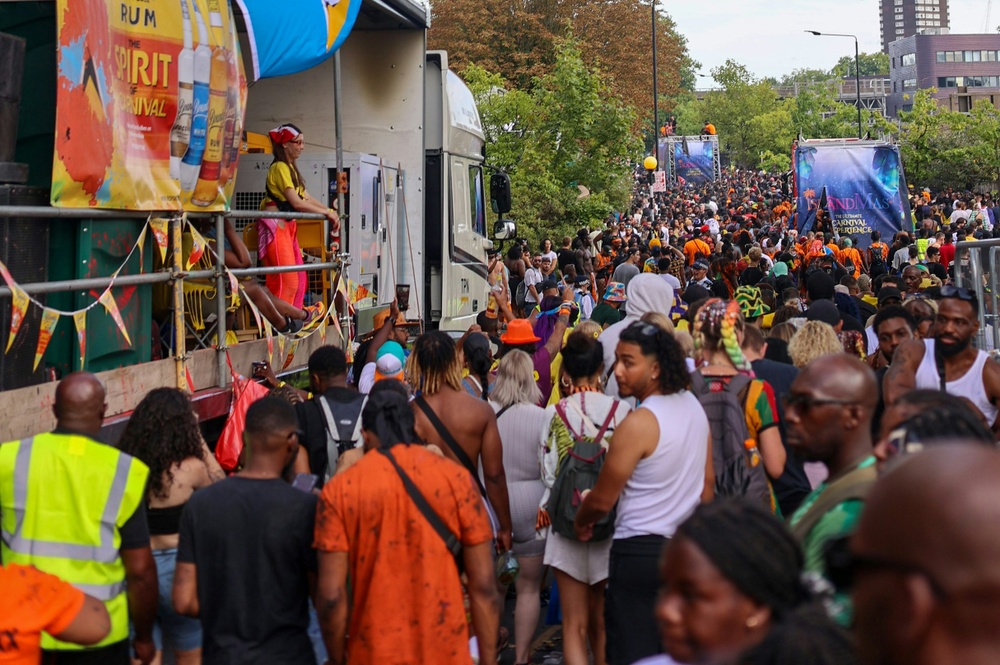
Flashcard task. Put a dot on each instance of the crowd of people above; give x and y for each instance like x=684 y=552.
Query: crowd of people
x=724 y=441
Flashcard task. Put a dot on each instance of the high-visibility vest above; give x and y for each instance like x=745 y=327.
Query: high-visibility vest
x=63 y=500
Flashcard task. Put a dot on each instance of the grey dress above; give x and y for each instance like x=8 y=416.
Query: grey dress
x=520 y=430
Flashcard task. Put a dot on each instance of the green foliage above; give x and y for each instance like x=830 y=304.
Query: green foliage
x=944 y=148
x=568 y=130
x=775 y=163
x=804 y=76
x=871 y=64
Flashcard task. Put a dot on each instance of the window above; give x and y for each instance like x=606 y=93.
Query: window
x=909 y=84
x=899 y=24
x=477 y=200
x=967 y=56
x=968 y=81
x=908 y=59
x=900 y=31
x=897 y=2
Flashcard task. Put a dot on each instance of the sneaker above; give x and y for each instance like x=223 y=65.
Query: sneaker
x=294 y=325
x=314 y=314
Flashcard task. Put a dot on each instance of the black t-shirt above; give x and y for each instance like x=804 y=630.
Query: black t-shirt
x=937 y=270
x=251 y=541
x=311 y=422
x=565 y=257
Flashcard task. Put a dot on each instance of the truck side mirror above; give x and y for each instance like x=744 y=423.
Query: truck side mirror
x=504 y=229
x=500 y=193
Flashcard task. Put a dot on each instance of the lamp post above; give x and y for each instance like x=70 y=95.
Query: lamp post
x=656 y=121
x=650 y=165
x=857 y=68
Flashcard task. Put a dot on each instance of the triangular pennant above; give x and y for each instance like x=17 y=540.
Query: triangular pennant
x=198 y=246
x=80 y=321
x=291 y=354
x=111 y=306
x=50 y=318
x=281 y=345
x=189 y=378
x=19 y=302
x=7 y=277
x=140 y=243
x=256 y=313
x=160 y=227
x=270 y=340
x=322 y=331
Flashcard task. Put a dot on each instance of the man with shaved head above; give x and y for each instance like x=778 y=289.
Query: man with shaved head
x=828 y=416
x=926 y=583
x=74 y=507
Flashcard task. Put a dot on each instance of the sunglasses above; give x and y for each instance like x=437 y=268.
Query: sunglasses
x=959 y=292
x=806 y=403
x=843 y=567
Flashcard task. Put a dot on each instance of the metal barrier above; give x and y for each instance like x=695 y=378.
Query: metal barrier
x=976 y=269
x=175 y=274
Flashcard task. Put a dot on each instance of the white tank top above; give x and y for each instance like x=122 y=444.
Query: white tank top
x=666 y=487
x=970 y=385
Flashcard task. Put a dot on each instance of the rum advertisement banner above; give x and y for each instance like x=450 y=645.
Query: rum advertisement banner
x=150 y=105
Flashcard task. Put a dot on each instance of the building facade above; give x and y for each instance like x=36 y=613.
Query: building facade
x=963 y=68
x=900 y=19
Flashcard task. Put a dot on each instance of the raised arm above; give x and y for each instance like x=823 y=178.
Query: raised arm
x=902 y=375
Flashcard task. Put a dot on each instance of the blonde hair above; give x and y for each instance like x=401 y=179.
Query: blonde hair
x=784 y=331
x=813 y=340
x=433 y=363
x=754 y=254
x=660 y=320
x=515 y=382
x=589 y=328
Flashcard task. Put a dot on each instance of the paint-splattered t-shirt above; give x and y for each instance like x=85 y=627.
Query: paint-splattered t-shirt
x=407 y=598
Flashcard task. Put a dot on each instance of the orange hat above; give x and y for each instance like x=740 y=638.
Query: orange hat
x=519 y=331
x=379 y=320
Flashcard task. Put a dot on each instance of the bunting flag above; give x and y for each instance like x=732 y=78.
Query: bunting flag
x=295 y=35
x=139 y=243
x=18 y=308
x=50 y=318
x=256 y=314
x=291 y=354
x=322 y=331
x=160 y=226
x=111 y=306
x=80 y=321
x=198 y=247
x=270 y=340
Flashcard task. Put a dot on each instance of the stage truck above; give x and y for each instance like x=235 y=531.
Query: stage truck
x=860 y=184
x=414 y=206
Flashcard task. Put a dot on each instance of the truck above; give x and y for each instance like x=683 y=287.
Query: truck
x=414 y=214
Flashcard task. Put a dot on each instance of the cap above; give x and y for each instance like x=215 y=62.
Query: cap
x=519 y=331
x=581 y=279
x=751 y=304
x=825 y=311
x=388 y=367
x=547 y=284
x=615 y=292
x=888 y=293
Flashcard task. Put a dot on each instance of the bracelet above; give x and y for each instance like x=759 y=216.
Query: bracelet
x=281 y=384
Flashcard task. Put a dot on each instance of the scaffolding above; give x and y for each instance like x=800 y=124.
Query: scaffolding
x=669 y=147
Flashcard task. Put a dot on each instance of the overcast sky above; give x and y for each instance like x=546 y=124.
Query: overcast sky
x=767 y=36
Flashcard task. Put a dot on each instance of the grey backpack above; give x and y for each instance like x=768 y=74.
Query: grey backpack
x=726 y=411
x=342 y=422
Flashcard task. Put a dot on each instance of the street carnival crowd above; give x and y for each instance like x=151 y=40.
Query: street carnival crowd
x=705 y=437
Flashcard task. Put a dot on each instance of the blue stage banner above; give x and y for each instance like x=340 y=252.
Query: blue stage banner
x=294 y=35
x=861 y=186
x=694 y=161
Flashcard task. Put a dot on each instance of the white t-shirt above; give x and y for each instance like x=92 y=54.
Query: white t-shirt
x=532 y=277
x=367 y=378
x=551 y=256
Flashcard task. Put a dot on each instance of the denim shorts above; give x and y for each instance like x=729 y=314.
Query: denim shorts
x=171 y=630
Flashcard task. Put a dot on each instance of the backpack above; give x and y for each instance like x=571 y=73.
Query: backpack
x=576 y=476
x=726 y=411
x=520 y=294
x=849 y=266
x=876 y=266
x=342 y=422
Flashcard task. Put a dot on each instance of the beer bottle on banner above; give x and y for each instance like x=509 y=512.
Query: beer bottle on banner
x=207 y=189
x=191 y=164
x=180 y=133
x=229 y=124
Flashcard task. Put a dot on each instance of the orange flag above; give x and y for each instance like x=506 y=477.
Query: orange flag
x=50 y=318
x=111 y=306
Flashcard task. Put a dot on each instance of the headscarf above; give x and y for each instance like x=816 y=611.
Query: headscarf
x=282 y=134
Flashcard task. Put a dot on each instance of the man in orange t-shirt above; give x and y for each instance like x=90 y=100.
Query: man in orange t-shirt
x=696 y=246
x=32 y=601
x=407 y=603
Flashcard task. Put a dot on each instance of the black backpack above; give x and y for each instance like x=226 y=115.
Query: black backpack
x=342 y=422
x=577 y=475
x=735 y=475
x=876 y=265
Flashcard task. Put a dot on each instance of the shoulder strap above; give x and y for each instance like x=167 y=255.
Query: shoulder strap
x=451 y=541
x=939 y=363
x=854 y=485
x=607 y=421
x=503 y=411
x=449 y=440
x=561 y=412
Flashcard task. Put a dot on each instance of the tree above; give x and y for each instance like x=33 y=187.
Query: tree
x=872 y=64
x=733 y=111
x=803 y=76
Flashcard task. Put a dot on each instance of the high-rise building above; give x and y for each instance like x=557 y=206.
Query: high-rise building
x=900 y=19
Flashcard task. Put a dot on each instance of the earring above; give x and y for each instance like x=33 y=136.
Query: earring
x=752 y=622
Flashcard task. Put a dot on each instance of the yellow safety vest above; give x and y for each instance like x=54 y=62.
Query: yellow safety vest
x=63 y=500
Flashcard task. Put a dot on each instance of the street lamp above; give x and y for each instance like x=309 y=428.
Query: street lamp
x=857 y=68
x=656 y=121
x=650 y=165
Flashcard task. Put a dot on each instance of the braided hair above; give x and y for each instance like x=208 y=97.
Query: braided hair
x=388 y=415
x=719 y=322
x=477 y=356
x=434 y=363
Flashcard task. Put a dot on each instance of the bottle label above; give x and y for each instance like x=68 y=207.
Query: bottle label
x=199 y=124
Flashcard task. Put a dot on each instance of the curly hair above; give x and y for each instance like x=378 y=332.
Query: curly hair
x=656 y=342
x=814 y=339
x=163 y=431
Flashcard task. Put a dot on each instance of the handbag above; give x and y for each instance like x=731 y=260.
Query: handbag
x=245 y=392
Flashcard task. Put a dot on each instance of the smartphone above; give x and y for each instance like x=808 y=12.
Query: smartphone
x=305 y=481
x=403 y=297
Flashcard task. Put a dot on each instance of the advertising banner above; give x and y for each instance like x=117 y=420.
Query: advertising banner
x=694 y=161
x=150 y=105
x=862 y=187
x=293 y=35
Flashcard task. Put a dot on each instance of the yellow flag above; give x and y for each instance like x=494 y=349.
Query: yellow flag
x=198 y=247
x=140 y=243
x=291 y=353
x=111 y=306
x=160 y=227
x=18 y=308
x=80 y=321
x=50 y=318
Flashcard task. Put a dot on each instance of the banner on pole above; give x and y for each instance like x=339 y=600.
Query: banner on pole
x=863 y=183
x=694 y=161
x=659 y=181
x=149 y=107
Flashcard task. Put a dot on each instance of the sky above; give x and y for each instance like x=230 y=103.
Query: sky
x=767 y=35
